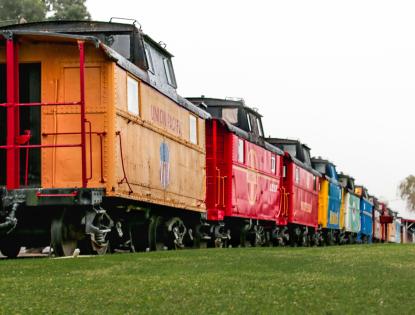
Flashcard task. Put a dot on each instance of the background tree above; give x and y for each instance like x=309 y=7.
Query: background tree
x=20 y=11
x=69 y=10
x=13 y=11
x=407 y=191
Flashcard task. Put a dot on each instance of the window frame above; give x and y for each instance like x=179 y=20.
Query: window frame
x=149 y=58
x=297 y=175
x=191 y=116
x=168 y=70
x=130 y=78
x=273 y=164
x=259 y=124
x=241 y=155
x=249 y=122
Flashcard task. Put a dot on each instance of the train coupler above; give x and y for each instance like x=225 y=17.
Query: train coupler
x=10 y=221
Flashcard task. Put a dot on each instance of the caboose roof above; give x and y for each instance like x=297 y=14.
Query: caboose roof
x=288 y=141
x=219 y=102
x=321 y=160
x=42 y=36
x=82 y=27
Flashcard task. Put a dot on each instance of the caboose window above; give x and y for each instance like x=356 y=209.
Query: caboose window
x=192 y=129
x=149 y=60
x=230 y=115
x=258 y=122
x=297 y=175
x=321 y=168
x=241 y=150
x=273 y=164
x=120 y=43
x=249 y=122
x=291 y=149
x=133 y=96
x=168 y=68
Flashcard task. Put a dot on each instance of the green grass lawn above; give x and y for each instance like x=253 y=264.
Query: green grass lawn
x=348 y=279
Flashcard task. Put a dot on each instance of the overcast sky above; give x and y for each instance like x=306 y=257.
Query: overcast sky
x=338 y=75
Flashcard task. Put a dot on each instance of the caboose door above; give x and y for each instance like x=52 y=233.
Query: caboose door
x=30 y=118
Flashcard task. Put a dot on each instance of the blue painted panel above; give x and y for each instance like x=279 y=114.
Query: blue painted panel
x=366 y=220
x=335 y=200
x=398 y=233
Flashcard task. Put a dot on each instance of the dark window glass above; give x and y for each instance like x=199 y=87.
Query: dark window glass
x=120 y=43
x=290 y=148
x=168 y=68
x=307 y=159
x=320 y=167
x=149 y=60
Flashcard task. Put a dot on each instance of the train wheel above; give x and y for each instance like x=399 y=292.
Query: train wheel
x=65 y=236
x=156 y=233
x=200 y=239
x=10 y=247
x=258 y=237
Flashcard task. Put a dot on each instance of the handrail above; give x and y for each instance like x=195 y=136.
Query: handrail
x=90 y=148
x=14 y=138
x=223 y=190
x=218 y=187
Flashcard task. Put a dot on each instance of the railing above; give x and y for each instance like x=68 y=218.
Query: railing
x=16 y=141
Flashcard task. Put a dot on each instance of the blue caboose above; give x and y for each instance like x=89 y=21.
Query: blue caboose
x=330 y=200
x=398 y=223
x=366 y=217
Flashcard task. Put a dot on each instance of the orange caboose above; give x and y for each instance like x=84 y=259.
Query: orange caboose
x=95 y=142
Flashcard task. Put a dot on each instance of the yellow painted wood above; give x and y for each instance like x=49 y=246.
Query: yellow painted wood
x=342 y=211
x=323 y=202
x=161 y=120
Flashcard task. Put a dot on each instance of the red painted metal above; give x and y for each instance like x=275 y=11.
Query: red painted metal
x=247 y=189
x=12 y=155
x=81 y=46
x=90 y=148
x=214 y=196
x=24 y=139
x=72 y=194
x=301 y=195
x=101 y=142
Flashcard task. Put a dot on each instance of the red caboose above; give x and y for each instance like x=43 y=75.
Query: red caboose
x=298 y=221
x=244 y=173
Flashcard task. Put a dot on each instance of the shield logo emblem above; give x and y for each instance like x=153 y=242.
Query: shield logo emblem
x=164 y=165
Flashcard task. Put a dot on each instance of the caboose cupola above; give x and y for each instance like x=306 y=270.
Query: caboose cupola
x=294 y=148
x=234 y=112
x=325 y=167
x=362 y=192
x=152 y=58
x=347 y=182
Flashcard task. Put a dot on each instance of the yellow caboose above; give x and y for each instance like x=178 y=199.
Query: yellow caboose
x=96 y=144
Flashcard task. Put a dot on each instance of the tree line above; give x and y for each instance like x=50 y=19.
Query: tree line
x=21 y=11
